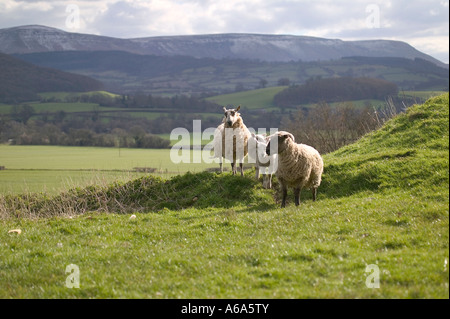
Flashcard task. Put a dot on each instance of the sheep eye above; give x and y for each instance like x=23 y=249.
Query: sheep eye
x=232 y=113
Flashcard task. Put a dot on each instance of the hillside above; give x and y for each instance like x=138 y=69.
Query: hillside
x=127 y=72
x=21 y=81
x=409 y=153
x=273 y=48
x=379 y=229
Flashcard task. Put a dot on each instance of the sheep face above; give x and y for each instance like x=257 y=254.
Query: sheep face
x=278 y=142
x=231 y=116
x=257 y=147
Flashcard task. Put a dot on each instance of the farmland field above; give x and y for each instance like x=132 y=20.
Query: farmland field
x=250 y=100
x=254 y=99
x=54 y=168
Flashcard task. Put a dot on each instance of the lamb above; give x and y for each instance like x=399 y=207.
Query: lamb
x=265 y=164
x=231 y=140
x=299 y=165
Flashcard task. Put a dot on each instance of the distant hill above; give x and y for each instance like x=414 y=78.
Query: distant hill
x=21 y=81
x=128 y=72
x=263 y=47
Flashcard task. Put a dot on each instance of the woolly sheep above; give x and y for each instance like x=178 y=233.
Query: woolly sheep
x=299 y=165
x=231 y=140
x=264 y=163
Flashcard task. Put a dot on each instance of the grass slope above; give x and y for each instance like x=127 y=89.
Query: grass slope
x=383 y=203
x=409 y=153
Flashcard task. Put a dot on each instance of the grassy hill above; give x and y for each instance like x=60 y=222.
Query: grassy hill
x=409 y=152
x=22 y=81
x=383 y=203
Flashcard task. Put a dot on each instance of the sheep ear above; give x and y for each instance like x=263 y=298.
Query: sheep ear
x=286 y=135
x=291 y=136
x=224 y=109
x=253 y=135
x=238 y=108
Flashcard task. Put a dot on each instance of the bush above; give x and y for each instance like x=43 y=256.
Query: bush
x=327 y=129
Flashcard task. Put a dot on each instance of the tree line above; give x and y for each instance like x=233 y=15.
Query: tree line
x=317 y=90
x=24 y=127
x=322 y=126
x=39 y=132
x=138 y=100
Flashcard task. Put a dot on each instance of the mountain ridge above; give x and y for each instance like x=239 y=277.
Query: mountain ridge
x=263 y=47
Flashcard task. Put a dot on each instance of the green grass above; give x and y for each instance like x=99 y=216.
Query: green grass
x=57 y=168
x=383 y=201
x=239 y=252
x=55 y=181
x=254 y=99
x=421 y=94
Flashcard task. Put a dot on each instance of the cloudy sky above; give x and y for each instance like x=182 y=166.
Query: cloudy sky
x=422 y=23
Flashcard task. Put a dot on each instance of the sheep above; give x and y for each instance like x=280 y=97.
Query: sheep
x=231 y=140
x=299 y=165
x=263 y=162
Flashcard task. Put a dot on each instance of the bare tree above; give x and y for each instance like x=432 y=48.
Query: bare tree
x=328 y=128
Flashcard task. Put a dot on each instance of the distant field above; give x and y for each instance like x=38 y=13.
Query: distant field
x=53 y=107
x=203 y=140
x=263 y=98
x=55 y=168
x=254 y=99
x=64 y=95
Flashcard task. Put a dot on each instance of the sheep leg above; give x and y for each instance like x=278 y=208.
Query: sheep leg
x=314 y=193
x=233 y=168
x=284 y=195
x=221 y=166
x=267 y=183
x=297 y=196
x=264 y=178
x=256 y=172
x=241 y=166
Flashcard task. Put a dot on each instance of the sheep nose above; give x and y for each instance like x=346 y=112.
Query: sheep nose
x=229 y=123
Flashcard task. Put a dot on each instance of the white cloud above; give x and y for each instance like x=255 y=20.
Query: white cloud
x=422 y=23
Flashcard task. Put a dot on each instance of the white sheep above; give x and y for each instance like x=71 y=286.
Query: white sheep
x=264 y=164
x=299 y=165
x=231 y=140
